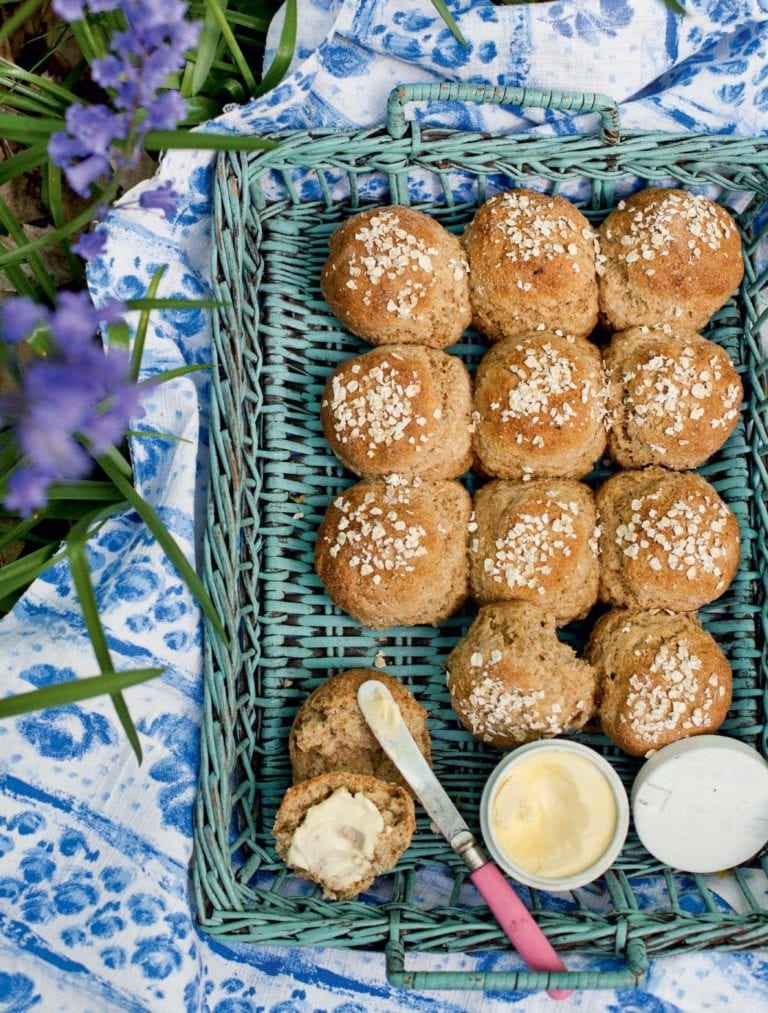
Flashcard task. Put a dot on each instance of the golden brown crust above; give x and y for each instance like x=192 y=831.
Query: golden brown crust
x=667 y=540
x=532 y=262
x=536 y=542
x=662 y=678
x=401 y=409
x=395 y=275
x=539 y=407
x=394 y=553
x=670 y=256
x=673 y=397
x=511 y=680
x=392 y=801
x=330 y=732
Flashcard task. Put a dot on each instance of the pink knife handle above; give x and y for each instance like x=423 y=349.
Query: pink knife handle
x=513 y=916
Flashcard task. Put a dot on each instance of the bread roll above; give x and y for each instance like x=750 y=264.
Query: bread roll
x=661 y=678
x=673 y=397
x=532 y=263
x=394 y=553
x=670 y=256
x=536 y=542
x=400 y=409
x=667 y=541
x=539 y=407
x=511 y=680
x=330 y=732
x=359 y=834
x=395 y=275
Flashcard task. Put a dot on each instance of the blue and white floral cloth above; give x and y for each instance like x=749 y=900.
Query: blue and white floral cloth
x=94 y=904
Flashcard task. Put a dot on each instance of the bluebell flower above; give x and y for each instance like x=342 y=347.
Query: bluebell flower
x=19 y=316
x=72 y=405
x=162 y=198
x=91 y=244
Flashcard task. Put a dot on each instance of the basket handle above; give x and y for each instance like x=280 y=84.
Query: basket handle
x=632 y=976
x=578 y=102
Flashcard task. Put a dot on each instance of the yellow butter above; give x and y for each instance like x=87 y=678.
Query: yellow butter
x=553 y=813
x=337 y=839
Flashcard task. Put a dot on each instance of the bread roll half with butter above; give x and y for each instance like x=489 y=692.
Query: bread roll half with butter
x=342 y=830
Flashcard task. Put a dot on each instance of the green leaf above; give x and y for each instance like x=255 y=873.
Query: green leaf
x=18 y=18
x=197 y=70
x=141 y=329
x=84 y=489
x=56 y=207
x=81 y=575
x=74 y=690
x=171 y=374
x=284 y=54
x=23 y=571
x=119 y=335
x=166 y=542
x=27 y=128
x=232 y=45
x=11 y=72
x=447 y=17
x=173 y=304
x=24 y=161
x=198 y=140
x=17 y=234
x=148 y=434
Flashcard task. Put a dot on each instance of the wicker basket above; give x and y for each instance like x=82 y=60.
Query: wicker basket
x=273 y=475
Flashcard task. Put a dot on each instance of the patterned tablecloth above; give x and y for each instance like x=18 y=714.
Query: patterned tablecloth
x=94 y=905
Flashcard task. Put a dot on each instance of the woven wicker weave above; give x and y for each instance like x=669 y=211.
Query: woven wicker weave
x=272 y=476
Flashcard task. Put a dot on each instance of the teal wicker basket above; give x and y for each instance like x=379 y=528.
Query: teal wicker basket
x=272 y=476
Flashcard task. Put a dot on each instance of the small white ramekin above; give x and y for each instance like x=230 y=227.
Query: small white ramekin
x=592 y=872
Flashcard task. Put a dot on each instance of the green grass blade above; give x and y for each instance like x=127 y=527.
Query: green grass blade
x=148 y=434
x=81 y=575
x=20 y=530
x=167 y=140
x=17 y=234
x=171 y=374
x=232 y=45
x=56 y=207
x=23 y=161
x=166 y=542
x=19 y=18
x=74 y=690
x=23 y=571
x=27 y=128
x=447 y=17
x=63 y=96
x=197 y=70
x=150 y=303
x=284 y=54
x=141 y=329
x=84 y=489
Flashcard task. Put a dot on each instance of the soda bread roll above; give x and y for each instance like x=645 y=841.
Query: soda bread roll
x=673 y=397
x=395 y=275
x=539 y=407
x=669 y=256
x=342 y=830
x=662 y=677
x=532 y=263
x=394 y=553
x=330 y=732
x=536 y=542
x=511 y=680
x=667 y=541
x=401 y=409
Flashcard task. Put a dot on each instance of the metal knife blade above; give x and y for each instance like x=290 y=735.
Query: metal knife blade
x=385 y=721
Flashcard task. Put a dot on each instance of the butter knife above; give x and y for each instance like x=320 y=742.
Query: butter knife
x=383 y=716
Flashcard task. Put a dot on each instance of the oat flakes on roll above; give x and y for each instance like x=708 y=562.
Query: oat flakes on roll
x=662 y=677
x=667 y=541
x=396 y=276
x=673 y=397
x=330 y=733
x=400 y=409
x=536 y=542
x=532 y=262
x=670 y=256
x=539 y=407
x=511 y=680
x=393 y=552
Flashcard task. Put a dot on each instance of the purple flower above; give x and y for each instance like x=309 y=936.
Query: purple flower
x=69 y=10
x=90 y=244
x=95 y=127
x=26 y=491
x=75 y=319
x=19 y=316
x=163 y=198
